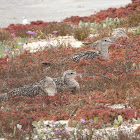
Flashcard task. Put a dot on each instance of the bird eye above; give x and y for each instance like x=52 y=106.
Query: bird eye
x=105 y=40
x=71 y=73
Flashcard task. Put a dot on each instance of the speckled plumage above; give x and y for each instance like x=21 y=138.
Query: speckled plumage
x=83 y=55
x=67 y=82
x=31 y=90
x=49 y=86
x=103 y=46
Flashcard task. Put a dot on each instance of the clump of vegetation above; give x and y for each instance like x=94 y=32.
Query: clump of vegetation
x=4 y=35
x=137 y=32
x=81 y=33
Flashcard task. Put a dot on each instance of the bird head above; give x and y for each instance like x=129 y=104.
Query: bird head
x=105 y=42
x=69 y=74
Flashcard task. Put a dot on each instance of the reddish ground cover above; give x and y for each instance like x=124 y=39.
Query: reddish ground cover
x=101 y=15
x=95 y=92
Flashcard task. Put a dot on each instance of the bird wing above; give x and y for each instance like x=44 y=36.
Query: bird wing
x=28 y=90
x=61 y=86
x=87 y=43
x=85 y=55
x=45 y=86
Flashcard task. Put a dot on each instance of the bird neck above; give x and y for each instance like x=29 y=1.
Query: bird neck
x=69 y=81
x=104 y=52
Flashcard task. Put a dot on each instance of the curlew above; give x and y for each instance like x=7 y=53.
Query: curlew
x=68 y=83
x=102 y=51
x=49 y=86
x=102 y=44
x=119 y=33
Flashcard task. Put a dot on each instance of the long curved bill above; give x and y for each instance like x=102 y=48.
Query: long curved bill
x=87 y=43
x=90 y=74
x=116 y=43
x=121 y=44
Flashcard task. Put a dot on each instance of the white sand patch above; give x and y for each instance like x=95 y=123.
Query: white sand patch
x=118 y=106
x=35 y=46
x=65 y=41
x=127 y=128
x=104 y=133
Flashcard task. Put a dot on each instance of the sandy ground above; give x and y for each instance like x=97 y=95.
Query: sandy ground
x=12 y=11
x=127 y=128
x=62 y=41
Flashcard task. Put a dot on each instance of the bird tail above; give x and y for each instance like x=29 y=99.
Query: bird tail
x=53 y=63
x=87 y=43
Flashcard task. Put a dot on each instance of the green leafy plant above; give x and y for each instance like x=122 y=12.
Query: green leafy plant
x=118 y=121
x=84 y=24
x=137 y=32
x=81 y=33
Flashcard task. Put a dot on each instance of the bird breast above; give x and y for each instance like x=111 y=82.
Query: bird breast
x=71 y=84
x=104 y=52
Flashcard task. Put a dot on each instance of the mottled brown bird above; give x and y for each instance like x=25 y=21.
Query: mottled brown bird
x=102 y=51
x=49 y=86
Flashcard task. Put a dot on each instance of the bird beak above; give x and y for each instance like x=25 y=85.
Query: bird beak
x=117 y=43
x=90 y=74
x=79 y=75
x=128 y=45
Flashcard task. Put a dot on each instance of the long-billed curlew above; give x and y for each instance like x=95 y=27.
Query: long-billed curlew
x=102 y=51
x=68 y=83
x=119 y=33
x=102 y=44
x=49 y=86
